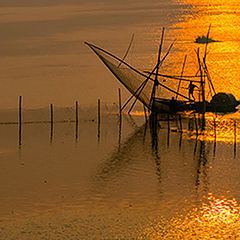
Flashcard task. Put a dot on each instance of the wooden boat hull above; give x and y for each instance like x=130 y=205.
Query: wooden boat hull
x=173 y=106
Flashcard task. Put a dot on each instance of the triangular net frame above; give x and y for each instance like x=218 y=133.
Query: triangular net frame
x=138 y=84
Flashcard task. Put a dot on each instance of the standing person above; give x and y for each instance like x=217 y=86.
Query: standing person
x=191 y=87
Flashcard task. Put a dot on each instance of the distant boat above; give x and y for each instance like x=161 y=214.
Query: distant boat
x=204 y=40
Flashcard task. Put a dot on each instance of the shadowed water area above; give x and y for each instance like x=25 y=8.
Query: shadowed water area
x=116 y=182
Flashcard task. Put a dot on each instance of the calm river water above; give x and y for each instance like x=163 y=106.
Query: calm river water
x=118 y=185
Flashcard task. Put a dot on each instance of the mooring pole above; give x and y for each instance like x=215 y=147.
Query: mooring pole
x=99 y=118
x=179 y=83
x=155 y=84
x=51 y=122
x=20 y=121
x=76 y=127
x=202 y=87
x=76 y=112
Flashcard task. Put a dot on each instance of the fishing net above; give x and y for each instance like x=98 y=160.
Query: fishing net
x=137 y=83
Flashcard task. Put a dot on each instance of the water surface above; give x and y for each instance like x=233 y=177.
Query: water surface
x=120 y=184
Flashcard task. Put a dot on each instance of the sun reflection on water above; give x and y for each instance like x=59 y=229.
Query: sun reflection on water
x=223 y=55
x=217 y=218
x=221 y=128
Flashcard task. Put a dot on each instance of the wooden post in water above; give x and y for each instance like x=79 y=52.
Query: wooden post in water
x=76 y=129
x=76 y=119
x=20 y=121
x=51 y=122
x=202 y=87
x=51 y=113
x=99 y=118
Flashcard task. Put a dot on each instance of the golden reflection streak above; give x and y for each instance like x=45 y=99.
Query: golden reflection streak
x=223 y=58
x=216 y=219
x=223 y=129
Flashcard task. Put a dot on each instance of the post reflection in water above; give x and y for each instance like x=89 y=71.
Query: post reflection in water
x=154 y=130
x=202 y=161
x=125 y=156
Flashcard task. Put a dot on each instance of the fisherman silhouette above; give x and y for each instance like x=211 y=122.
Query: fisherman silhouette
x=191 y=87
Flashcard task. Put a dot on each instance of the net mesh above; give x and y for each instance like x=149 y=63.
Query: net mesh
x=135 y=81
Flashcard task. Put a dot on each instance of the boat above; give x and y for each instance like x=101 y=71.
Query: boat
x=143 y=85
x=204 y=40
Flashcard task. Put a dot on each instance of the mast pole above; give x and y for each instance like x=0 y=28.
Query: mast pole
x=205 y=52
x=179 y=84
x=202 y=85
x=142 y=86
x=201 y=77
x=127 y=51
x=206 y=72
x=155 y=84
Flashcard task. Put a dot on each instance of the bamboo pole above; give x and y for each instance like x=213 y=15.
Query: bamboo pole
x=120 y=117
x=125 y=55
x=202 y=85
x=179 y=83
x=20 y=121
x=51 y=113
x=51 y=122
x=76 y=127
x=137 y=96
x=20 y=110
x=99 y=118
x=155 y=84
x=168 y=136
x=76 y=112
